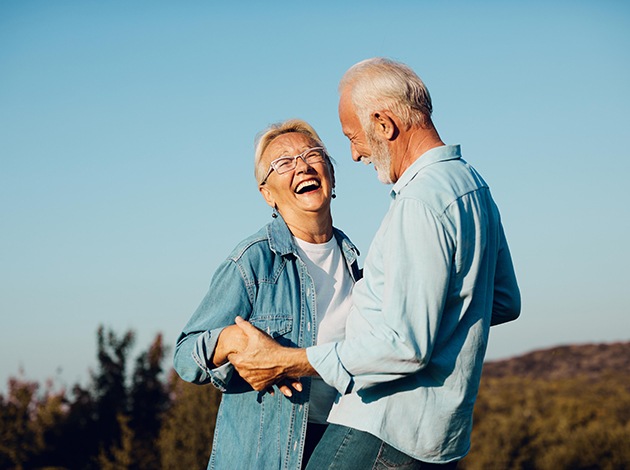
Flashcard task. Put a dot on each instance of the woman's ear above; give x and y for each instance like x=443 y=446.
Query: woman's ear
x=269 y=199
x=332 y=173
x=384 y=125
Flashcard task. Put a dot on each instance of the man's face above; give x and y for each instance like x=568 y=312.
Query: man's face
x=365 y=147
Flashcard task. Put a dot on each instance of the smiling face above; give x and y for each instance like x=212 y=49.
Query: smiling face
x=365 y=146
x=301 y=193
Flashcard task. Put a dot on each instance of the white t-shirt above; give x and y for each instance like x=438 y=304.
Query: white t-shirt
x=333 y=288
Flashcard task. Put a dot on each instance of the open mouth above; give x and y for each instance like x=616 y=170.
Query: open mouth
x=307 y=186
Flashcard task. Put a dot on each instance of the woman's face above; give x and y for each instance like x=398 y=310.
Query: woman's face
x=302 y=192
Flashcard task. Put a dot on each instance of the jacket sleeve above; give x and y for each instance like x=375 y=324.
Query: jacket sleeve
x=227 y=297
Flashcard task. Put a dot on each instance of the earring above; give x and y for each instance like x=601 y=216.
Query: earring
x=274 y=214
x=333 y=195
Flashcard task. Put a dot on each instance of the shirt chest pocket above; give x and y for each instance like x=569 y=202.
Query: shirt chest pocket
x=278 y=326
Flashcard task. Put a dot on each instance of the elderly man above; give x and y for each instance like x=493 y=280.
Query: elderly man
x=438 y=274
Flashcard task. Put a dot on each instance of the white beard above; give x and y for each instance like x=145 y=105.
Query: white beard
x=380 y=157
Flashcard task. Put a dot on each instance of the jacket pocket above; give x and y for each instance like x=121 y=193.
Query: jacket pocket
x=274 y=325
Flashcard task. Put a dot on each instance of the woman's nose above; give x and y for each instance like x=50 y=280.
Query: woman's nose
x=301 y=166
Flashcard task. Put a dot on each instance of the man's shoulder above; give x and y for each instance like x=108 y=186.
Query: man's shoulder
x=440 y=184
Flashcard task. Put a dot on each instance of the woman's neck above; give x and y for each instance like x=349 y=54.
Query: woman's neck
x=312 y=229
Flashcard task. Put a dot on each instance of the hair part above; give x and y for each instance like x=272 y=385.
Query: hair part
x=268 y=135
x=380 y=83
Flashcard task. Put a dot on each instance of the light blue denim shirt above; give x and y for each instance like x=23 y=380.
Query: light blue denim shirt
x=265 y=282
x=437 y=275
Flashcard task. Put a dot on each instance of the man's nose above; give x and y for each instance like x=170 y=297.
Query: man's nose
x=356 y=156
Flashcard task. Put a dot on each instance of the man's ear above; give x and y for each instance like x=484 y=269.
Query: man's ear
x=384 y=125
x=264 y=190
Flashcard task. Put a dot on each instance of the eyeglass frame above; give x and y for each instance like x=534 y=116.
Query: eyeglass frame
x=301 y=155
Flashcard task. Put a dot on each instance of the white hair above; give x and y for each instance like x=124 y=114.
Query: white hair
x=381 y=83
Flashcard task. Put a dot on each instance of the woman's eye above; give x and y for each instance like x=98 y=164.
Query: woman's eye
x=314 y=157
x=283 y=163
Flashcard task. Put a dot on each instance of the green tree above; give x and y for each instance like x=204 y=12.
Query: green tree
x=119 y=456
x=109 y=385
x=149 y=400
x=29 y=422
x=188 y=426
x=18 y=440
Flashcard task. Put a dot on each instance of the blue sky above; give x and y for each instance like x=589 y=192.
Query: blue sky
x=126 y=148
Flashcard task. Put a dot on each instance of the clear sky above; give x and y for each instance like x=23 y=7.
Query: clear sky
x=126 y=148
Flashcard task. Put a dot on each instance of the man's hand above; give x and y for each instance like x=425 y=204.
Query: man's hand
x=231 y=340
x=264 y=362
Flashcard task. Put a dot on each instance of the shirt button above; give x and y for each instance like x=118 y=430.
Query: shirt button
x=308 y=292
x=308 y=326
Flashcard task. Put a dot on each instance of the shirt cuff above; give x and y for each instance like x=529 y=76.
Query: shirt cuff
x=326 y=362
x=202 y=355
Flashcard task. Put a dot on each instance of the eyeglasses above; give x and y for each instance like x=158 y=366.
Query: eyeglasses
x=285 y=164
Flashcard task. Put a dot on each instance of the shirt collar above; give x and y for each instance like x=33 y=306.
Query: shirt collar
x=437 y=154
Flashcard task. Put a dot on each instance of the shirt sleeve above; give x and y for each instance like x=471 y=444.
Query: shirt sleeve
x=506 y=305
x=410 y=273
x=227 y=297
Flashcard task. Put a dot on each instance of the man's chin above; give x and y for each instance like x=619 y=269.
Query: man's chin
x=383 y=177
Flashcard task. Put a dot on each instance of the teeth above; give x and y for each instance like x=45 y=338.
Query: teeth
x=303 y=184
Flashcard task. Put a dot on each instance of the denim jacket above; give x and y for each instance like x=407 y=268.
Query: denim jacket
x=264 y=281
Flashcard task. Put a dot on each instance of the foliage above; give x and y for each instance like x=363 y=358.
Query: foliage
x=149 y=399
x=188 y=427
x=566 y=408
x=27 y=422
x=571 y=423
x=109 y=424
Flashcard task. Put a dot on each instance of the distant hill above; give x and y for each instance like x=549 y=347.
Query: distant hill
x=590 y=360
x=563 y=408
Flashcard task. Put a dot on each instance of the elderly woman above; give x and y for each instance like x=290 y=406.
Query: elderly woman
x=292 y=279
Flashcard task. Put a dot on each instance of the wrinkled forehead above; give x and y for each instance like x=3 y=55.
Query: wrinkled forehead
x=348 y=117
x=289 y=144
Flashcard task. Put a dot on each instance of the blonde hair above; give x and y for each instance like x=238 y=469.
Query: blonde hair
x=265 y=137
x=381 y=83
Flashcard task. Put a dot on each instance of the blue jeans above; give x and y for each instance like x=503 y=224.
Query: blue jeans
x=344 y=448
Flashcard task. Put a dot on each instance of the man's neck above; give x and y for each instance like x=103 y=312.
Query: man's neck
x=415 y=143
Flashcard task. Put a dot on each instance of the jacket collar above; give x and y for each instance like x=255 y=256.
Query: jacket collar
x=281 y=240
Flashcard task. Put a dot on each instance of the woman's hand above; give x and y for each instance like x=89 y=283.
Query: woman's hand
x=231 y=340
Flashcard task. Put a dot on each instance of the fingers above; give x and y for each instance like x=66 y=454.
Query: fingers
x=248 y=329
x=287 y=386
x=243 y=324
x=285 y=389
x=296 y=384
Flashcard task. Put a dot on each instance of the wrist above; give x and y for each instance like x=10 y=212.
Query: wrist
x=296 y=363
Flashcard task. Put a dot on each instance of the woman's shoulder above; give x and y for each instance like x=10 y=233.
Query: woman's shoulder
x=254 y=245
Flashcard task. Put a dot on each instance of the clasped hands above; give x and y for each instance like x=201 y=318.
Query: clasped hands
x=258 y=358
